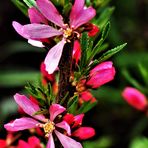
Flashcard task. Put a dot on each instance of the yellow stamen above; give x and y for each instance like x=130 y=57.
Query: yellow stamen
x=67 y=32
x=48 y=128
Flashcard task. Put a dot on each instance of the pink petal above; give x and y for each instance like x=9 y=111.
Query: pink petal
x=78 y=120
x=76 y=9
x=135 y=98
x=102 y=66
x=50 y=143
x=67 y=142
x=36 y=17
x=39 y=31
x=28 y=106
x=34 y=142
x=21 y=124
x=50 y=12
x=23 y=144
x=69 y=118
x=54 y=110
x=53 y=57
x=3 y=143
x=64 y=125
x=82 y=17
x=84 y=133
x=19 y=29
x=76 y=51
x=100 y=78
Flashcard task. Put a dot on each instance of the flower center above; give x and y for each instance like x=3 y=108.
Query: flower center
x=67 y=32
x=48 y=128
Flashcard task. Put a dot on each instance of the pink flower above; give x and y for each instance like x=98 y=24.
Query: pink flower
x=33 y=142
x=101 y=74
x=48 y=125
x=135 y=98
x=36 y=31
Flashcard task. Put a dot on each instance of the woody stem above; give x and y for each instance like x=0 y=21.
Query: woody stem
x=65 y=72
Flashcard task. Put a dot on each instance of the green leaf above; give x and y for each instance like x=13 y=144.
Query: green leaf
x=43 y=111
x=139 y=142
x=15 y=78
x=86 y=106
x=21 y=6
x=72 y=104
x=67 y=9
x=30 y=3
x=133 y=81
x=111 y=52
x=104 y=17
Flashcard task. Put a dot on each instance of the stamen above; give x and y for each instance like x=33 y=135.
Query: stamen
x=48 y=128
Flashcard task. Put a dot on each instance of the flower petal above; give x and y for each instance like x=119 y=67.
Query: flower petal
x=19 y=29
x=39 y=31
x=76 y=8
x=84 y=133
x=64 y=125
x=78 y=120
x=3 y=143
x=67 y=142
x=53 y=57
x=28 y=106
x=21 y=124
x=135 y=98
x=22 y=144
x=36 y=17
x=35 y=43
x=54 y=110
x=82 y=17
x=34 y=142
x=50 y=12
x=50 y=143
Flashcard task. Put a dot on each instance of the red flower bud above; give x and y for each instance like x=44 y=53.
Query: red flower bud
x=78 y=120
x=76 y=51
x=84 y=133
x=135 y=98
x=94 y=30
x=87 y=96
x=69 y=118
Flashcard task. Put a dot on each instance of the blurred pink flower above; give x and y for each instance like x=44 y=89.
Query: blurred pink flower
x=49 y=126
x=33 y=142
x=135 y=98
x=101 y=74
x=35 y=31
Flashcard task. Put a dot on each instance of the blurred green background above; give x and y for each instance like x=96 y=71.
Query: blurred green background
x=117 y=124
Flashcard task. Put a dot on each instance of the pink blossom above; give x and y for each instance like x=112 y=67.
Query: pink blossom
x=48 y=125
x=101 y=74
x=135 y=98
x=36 y=31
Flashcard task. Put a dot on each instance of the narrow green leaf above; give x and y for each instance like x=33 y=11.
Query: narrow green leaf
x=72 y=104
x=30 y=3
x=21 y=6
x=67 y=9
x=132 y=81
x=104 y=17
x=86 y=106
x=43 y=111
x=111 y=52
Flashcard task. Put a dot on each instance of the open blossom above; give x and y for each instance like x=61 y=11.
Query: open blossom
x=36 y=32
x=101 y=74
x=135 y=98
x=49 y=125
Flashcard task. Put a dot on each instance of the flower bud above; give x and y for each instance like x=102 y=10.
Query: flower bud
x=87 y=96
x=76 y=51
x=69 y=118
x=78 y=120
x=93 y=31
x=84 y=133
x=135 y=98
x=101 y=74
